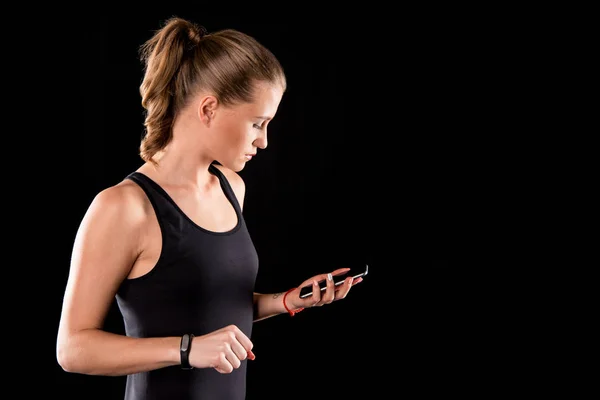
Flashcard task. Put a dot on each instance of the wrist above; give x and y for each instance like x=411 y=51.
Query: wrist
x=184 y=350
x=174 y=356
x=288 y=306
x=168 y=348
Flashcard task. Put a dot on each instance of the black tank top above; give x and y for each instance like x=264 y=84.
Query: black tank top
x=202 y=281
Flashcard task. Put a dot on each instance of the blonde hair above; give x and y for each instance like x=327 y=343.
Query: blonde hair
x=182 y=58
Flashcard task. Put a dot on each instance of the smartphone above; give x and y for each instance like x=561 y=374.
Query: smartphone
x=306 y=291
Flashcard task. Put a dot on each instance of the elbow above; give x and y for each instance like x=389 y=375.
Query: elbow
x=75 y=354
x=65 y=362
x=69 y=354
x=66 y=357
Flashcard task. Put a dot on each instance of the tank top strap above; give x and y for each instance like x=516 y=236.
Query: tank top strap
x=226 y=188
x=147 y=184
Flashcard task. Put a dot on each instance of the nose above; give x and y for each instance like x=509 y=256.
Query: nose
x=261 y=141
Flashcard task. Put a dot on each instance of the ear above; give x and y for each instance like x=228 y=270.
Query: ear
x=206 y=109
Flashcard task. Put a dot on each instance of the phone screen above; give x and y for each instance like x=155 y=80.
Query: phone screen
x=306 y=291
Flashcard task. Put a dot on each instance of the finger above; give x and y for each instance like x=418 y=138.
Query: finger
x=242 y=338
x=316 y=293
x=329 y=294
x=223 y=365
x=251 y=355
x=344 y=288
x=239 y=350
x=232 y=357
x=340 y=271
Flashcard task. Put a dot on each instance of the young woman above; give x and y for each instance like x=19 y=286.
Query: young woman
x=169 y=241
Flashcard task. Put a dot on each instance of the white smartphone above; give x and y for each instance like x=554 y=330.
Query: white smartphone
x=306 y=291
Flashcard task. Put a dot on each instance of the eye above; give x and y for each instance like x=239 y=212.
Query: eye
x=257 y=126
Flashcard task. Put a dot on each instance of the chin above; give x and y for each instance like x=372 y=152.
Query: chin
x=235 y=166
x=241 y=167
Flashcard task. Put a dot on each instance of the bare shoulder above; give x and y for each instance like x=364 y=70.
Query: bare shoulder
x=123 y=205
x=124 y=198
x=235 y=180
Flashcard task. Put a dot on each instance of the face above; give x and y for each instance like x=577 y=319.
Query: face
x=238 y=132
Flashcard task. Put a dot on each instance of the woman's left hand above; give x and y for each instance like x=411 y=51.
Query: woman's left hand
x=318 y=297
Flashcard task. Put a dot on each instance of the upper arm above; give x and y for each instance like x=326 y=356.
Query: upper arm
x=236 y=182
x=105 y=248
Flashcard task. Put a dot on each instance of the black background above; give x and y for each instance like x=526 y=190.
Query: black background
x=379 y=154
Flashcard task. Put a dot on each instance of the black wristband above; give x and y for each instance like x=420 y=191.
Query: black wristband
x=184 y=350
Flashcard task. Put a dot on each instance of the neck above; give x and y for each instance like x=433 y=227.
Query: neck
x=180 y=166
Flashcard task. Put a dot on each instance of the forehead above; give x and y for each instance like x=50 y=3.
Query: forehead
x=267 y=97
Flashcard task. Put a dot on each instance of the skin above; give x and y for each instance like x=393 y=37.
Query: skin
x=119 y=238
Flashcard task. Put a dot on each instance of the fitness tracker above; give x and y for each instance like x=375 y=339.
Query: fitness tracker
x=184 y=350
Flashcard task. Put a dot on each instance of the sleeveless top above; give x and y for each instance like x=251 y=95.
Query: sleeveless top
x=203 y=281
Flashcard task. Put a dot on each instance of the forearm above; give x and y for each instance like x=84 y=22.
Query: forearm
x=268 y=305
x=96 y=352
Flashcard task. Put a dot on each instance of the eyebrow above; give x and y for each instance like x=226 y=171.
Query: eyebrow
x=263 y=117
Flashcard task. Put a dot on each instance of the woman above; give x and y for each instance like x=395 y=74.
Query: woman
x=170 y=241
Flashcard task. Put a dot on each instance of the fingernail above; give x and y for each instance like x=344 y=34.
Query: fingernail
x=329 y=277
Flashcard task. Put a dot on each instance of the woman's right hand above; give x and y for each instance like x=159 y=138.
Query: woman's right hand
x=223 y=349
